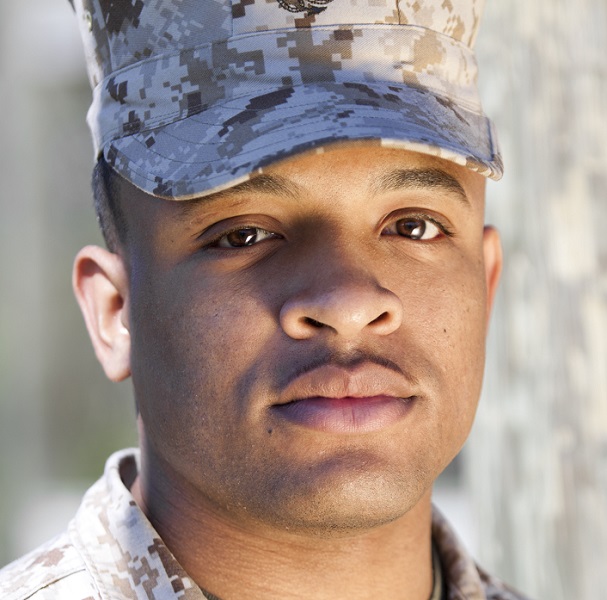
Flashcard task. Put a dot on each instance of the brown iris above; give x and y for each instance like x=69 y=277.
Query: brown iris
x=412 y=228
x=242 y=237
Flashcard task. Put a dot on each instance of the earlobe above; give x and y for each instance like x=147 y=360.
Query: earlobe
x=100 y=284
x=492 y=251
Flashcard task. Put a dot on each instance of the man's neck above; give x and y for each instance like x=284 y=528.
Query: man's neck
x=231 y=560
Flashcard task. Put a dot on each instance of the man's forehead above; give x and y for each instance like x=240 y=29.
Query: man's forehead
x=348 y=169
x=409 y=171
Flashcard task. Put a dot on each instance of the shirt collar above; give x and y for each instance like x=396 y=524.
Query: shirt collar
x=459 y=569
x=122 y=551
x=127 y=559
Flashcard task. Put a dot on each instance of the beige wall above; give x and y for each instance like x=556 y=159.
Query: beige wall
x=538 y=461
x=59 y=418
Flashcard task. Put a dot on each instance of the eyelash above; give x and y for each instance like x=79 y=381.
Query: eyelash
x=444 y=229
x=214 y=242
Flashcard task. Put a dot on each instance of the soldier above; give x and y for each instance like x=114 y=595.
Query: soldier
x=298 y=280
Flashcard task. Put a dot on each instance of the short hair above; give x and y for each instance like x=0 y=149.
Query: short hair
x=106 y=198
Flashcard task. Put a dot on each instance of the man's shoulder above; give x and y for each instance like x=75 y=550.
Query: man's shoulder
x=495 y=589
x=464 y=578
x=53 y=571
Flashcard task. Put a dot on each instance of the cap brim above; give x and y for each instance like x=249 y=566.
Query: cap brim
x=227 y=142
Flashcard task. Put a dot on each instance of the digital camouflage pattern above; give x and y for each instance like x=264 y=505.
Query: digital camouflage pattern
x=191 y=96
x=111 y=552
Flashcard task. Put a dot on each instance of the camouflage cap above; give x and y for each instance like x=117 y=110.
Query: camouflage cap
x=192 y=96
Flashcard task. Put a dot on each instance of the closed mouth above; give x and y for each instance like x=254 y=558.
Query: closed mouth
x=334 y=399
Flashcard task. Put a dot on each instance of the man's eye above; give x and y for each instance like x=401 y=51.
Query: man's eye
x=243 y=237
x=414 y=228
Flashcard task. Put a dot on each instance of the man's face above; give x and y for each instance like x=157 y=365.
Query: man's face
x=307 y=349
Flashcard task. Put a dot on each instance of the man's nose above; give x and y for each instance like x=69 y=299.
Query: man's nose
x=348 y=307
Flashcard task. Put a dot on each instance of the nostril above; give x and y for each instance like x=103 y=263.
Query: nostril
x=346 y=310
x=382 y=318
x=312 y=322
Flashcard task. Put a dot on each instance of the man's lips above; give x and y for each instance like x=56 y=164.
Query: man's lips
x=346 y=415
x=334 y=399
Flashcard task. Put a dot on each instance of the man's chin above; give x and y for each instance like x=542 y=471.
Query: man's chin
x=345 y=504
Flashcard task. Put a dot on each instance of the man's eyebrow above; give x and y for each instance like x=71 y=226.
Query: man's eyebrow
x=274 y=185
x=420 y=179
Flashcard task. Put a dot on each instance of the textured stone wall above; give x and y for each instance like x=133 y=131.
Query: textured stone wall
x=538 y=457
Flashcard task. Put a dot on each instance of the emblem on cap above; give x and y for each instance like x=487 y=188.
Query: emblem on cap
x=312 y=7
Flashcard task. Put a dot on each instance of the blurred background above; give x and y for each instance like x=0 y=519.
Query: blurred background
x=529 y=491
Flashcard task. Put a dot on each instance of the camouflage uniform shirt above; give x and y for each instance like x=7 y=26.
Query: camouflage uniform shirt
x=110 y=551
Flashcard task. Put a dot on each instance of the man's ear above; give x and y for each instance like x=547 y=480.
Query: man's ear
x=100 y=283
x=492 y=251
